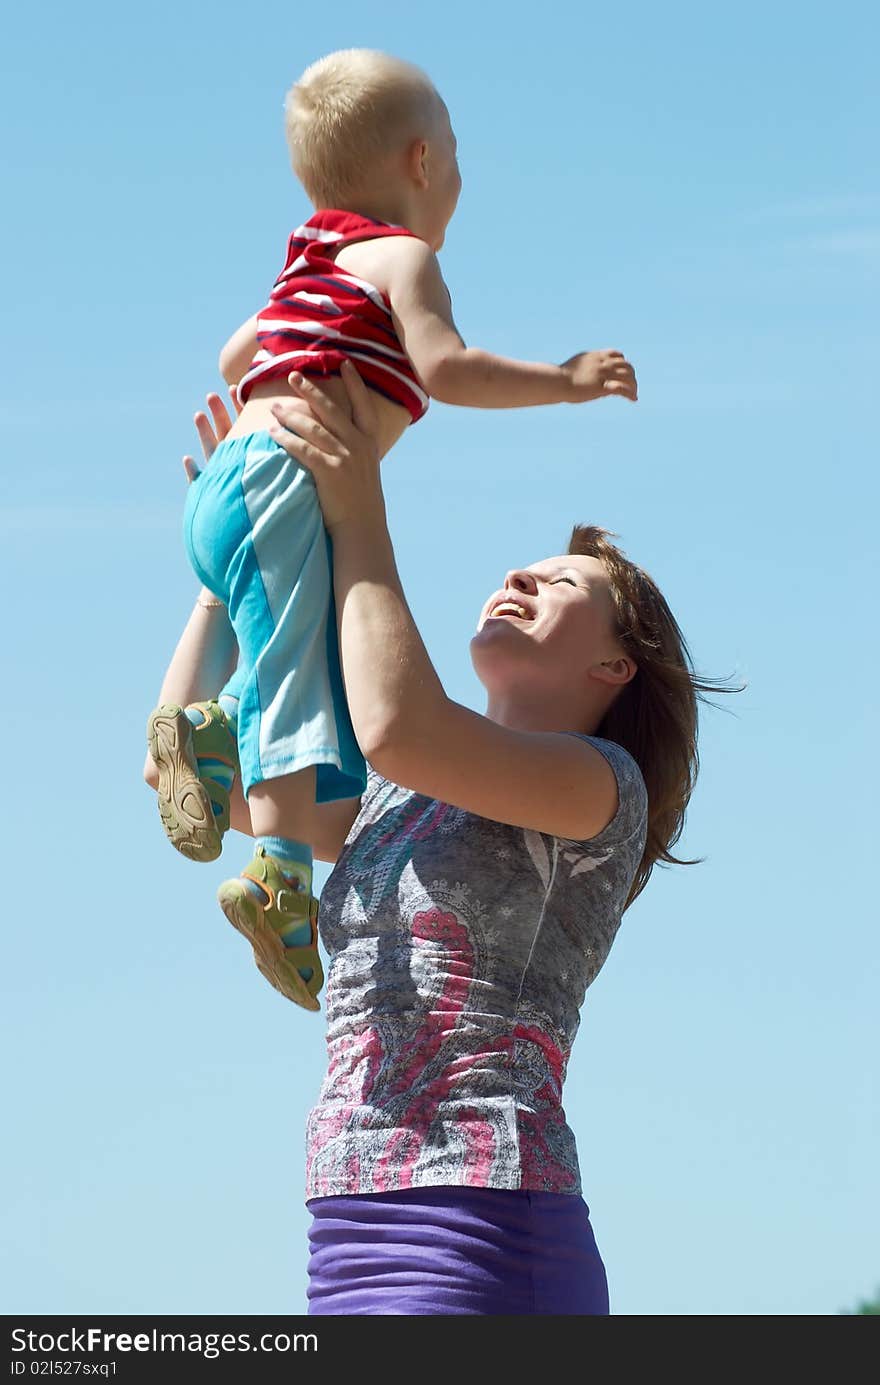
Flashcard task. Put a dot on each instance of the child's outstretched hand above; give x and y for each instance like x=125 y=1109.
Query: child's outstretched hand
x=596 y=374
x=211 y=430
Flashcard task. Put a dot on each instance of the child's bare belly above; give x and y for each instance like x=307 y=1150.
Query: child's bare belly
x=393 y=419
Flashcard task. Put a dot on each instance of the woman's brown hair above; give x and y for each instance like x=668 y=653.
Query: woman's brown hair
x=655 y=716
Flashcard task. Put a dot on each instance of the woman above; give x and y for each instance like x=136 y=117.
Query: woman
x=478 y=887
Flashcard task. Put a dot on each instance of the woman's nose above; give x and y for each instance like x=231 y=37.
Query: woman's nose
x=521 y=581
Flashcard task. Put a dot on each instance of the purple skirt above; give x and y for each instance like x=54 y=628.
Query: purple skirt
x=445 y=1250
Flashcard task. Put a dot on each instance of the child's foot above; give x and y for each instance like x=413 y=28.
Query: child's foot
x=197 y=765
x=280 y=921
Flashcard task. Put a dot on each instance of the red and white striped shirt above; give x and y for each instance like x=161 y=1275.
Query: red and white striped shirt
x=318 y=315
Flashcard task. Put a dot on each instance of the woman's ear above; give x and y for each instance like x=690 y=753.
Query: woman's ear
x=615 y=672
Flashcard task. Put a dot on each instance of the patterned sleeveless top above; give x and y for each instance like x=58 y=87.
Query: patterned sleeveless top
x=318 y=314
x=460 y=951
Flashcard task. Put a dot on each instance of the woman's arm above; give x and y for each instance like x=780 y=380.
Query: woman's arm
x=205 y=657
x=203 y=661
x=408 y=728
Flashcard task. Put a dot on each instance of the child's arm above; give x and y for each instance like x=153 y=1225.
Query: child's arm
x=457 y=374
x=239 y=351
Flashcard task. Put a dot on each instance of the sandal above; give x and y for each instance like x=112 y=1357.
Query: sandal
x=264 y=926
x=194 y=808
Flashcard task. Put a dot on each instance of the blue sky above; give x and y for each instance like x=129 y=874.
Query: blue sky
x=690 y=185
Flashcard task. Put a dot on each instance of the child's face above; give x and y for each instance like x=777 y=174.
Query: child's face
x=445 y=178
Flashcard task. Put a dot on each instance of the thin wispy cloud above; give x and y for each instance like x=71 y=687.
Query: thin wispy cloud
x=844 y=242
x=839 y=224
x=819 y=208
x=89 y=519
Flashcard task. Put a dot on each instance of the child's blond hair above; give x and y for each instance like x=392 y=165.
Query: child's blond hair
x=346 y=112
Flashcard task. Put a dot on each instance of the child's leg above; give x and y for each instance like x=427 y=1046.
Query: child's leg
x=284 y=807
x=204 y=659
x=195 y=750
x=192 y=755
x=256 y=536
x=271 y=902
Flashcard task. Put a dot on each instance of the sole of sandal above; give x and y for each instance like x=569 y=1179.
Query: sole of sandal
x=184 y=804
x=244 y=913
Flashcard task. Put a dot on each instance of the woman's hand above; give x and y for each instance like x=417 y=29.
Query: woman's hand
x=211 y=430
x=340 y=452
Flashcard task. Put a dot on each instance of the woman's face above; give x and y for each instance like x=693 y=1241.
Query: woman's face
x=550 y=624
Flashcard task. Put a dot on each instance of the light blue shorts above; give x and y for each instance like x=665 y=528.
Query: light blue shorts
x=255 y=536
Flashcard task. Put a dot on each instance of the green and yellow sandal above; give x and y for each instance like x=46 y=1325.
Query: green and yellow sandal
x=287 y=912
x=194 y=808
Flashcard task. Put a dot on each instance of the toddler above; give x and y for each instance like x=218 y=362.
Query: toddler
x=372 y=144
